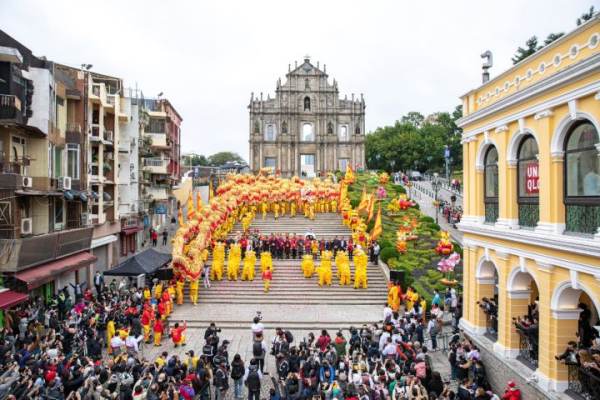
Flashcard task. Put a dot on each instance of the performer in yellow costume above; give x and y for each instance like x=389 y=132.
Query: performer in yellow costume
x=248 y=270
x=411 y=298
x=158 y=288
x=263 y=209
x=266 y=261
x=308 y=266
x=293 y=209
x=216 y=272
x=179 y=290
x=110 y=332
x=233 y=263
x=343 y=267
x=194 y=291
x=360 y=269
x=147 y=293
x=393 y=298
x=276 y=210
x=324 y=269
x=172 y=293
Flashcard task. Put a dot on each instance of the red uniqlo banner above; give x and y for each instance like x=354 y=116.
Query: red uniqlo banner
x=531 y=178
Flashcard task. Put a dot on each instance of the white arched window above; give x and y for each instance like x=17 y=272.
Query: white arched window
x=582 y=178
x=528 y=194
x=308 y=134
x=270 y=133
x=343 y=133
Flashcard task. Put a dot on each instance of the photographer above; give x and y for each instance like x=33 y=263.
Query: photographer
x=490 y=308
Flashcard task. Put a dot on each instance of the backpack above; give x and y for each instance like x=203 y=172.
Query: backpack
x=435 y=330
x=207 y=350
x=288 y=336
x=237 y=371
x=253 y=381
x=257 y=350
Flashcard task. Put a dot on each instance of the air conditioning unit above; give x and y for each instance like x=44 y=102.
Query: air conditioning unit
x=26 y=226
x=64 y=183
x=26 y=182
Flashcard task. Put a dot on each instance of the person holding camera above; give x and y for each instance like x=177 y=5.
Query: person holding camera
x=221 y=378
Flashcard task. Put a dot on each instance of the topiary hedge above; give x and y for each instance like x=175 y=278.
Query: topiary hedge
x=388 y=253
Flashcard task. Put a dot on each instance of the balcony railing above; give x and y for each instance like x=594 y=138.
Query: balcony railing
x=95 y=131
x=73 y=127
x=582 y=218
x=10 y=106
x=529 y=214
x=35 y=250
x=491 y=212
x=528 y=348
x=110 y=99
x=582 y=383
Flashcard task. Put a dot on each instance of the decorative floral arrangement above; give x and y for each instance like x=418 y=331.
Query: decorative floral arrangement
x=444 y=245
x=404 y=202
x=384 y=178
x=446 y=266
x=381 y=193
x=401 y=242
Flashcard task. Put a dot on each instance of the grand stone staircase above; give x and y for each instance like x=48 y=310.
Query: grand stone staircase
x=293 y=301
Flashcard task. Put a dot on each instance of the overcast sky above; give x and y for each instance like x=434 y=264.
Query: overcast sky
x=208 y=56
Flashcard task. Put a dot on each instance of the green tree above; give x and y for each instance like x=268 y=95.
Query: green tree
x=415 y=142
x=414 y=118
x=586 y=16
x=552 y=37
x=531 y=46
x=195 y=160
x=222 y=157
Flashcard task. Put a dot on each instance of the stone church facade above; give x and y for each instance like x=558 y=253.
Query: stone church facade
x=306 y=129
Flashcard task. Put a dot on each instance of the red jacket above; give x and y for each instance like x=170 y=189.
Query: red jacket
x=177 y=332
x=158 y=326
x=512 y=395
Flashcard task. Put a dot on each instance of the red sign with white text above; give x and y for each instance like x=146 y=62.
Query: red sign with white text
x=532 y=178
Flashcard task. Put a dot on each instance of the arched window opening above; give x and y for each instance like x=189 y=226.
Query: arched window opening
x=308 y=134
x=491 y=185
x=582 y=179
x=307 y=103
x=343 y=133
x=528 y=182
x=330 y=128
x=357 y=130
x=307 y=84
x=270 y=133
x=527 y=325
x=284 y=127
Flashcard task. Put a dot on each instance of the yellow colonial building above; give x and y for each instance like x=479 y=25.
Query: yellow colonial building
x=531 y=150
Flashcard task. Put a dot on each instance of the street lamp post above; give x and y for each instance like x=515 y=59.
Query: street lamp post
x=435 y=185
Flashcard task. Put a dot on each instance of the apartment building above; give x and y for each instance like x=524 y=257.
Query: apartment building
x=130 y=210
x=42 y=190
x=160 y=158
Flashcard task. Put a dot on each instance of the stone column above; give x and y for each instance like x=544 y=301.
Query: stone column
x=260 y=156
x=251 y=156
x=512 y=192
x=548 y=326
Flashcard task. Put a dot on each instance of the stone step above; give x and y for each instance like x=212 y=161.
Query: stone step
x=232 y=301
x=287 y=325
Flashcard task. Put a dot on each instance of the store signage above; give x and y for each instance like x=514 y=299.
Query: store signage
x=532 y=178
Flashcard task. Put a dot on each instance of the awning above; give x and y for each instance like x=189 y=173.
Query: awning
x=130 y=231
x=37 y=276
x=10 y=298
x=69 y=195
x=145 y=262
